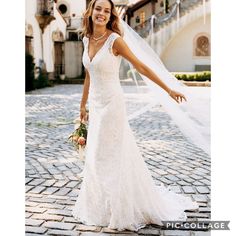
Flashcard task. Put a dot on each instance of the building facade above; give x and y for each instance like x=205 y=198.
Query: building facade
x=51 y=36
x=179 y=31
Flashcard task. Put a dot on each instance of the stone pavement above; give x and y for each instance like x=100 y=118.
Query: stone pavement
x=53 y=168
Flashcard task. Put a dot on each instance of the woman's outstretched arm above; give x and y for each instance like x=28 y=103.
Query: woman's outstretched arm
x=121 y=48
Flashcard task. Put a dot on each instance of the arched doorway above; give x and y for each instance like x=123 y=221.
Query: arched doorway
x=29 y=39
x=59 y=55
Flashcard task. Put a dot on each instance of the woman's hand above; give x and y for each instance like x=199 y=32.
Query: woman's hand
x=178 y=97
x=83 y=114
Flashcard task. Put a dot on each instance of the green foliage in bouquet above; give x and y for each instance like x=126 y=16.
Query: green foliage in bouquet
x=79 y=136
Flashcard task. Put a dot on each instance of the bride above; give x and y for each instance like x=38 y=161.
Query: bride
x=117 y=189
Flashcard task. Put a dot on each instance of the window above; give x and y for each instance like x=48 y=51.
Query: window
x=62 y=8
x=202 y=46
x=142 y=17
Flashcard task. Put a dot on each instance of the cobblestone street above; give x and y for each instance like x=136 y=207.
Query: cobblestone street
x=53 y=167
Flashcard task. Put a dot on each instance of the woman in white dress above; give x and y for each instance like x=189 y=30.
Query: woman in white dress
x=117 y=189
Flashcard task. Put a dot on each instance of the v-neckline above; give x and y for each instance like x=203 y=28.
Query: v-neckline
x=91 y=60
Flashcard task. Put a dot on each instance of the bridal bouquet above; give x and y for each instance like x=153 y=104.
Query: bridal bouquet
x=79 y=137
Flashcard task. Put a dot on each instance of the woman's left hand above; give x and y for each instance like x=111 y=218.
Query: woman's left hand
x=178 y=97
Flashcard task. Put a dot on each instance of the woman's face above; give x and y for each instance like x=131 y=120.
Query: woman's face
x=101 y=12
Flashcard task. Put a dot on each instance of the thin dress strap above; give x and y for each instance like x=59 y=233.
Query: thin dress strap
x=112 y=39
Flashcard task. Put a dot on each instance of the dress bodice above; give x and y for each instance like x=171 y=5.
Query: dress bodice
x=103 y=69
x=104 y=60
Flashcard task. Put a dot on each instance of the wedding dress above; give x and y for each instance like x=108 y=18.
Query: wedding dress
x=117 y=189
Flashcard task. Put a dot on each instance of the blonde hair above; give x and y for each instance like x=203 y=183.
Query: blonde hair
x=113 y=23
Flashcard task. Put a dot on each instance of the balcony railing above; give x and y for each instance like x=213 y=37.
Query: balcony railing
x=162 y=17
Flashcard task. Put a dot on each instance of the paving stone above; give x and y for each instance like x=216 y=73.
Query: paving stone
x=206 y=181
x=183 y=183
x=62 y=232
x=201 y=233
x=57 y=197
x=173 y=172
x=58 y=225
x=50 y=190
x=74 y=193
x=35 y=209
x=60 y=183
x=70 y=220
x=198 y=215
x=185 y=167
x=188 y=189
x=82 y=227
x=63 y=191
x=94 y=234
x=40 y=199
x=28 y=215
x=53 y=171
x=63 y=168
x=147 y=231
x=51 y=206
x=196 y=177
x=204 y=209
x=31 y=204
x=197 y=183
x=161 y=172
x=177 y=233
x=27 y=180
x=59 y=177
x=59 y=212
x=154 y=130
x=172 y=178
x=37 y=230
x=49 y=183
x=202 y=189
x=46 y=176
x=31 y=222
x=165 y=181
x=114 y=232
x=72 y=184
x=67 y=202
x=34 y=176
x=201 y=170
x=30 y=234
x=72 y=177
x=200 y=198
x=36 y=182
x=38 y=189
x=47 y=217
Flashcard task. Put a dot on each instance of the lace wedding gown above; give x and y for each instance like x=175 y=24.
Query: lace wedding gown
x=117 y=189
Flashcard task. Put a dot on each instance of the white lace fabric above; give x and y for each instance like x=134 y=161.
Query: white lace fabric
x=117 y=189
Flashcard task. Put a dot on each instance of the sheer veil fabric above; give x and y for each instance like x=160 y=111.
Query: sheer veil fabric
x=117 y=189
x=192 y=117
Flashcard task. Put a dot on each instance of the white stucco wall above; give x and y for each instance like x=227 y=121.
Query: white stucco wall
x=76 y=7
x=30 y=10
x=148 y=12
x=57 y=24
x=178 y=55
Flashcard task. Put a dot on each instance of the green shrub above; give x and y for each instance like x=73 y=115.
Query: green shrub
x=29 y=72
x=41 y=81
x=31 y=82
x=198 y=76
